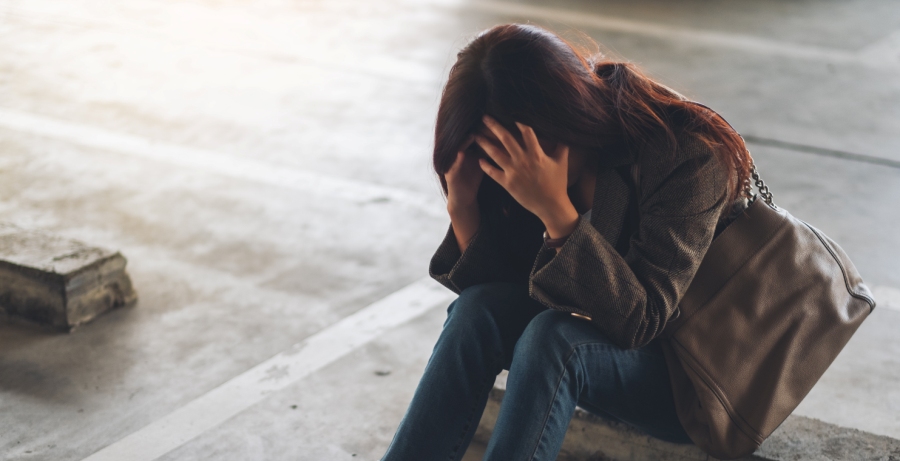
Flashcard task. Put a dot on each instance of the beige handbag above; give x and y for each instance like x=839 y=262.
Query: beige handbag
x=772 y=304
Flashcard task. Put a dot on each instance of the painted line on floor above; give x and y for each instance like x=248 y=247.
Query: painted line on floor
x=304 y=358
x=216 y=162
x=875 y=57
x=864 y=158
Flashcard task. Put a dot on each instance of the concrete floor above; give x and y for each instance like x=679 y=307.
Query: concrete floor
x=265 y=168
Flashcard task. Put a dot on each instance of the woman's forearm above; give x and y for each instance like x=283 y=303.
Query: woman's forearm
x=465 y=220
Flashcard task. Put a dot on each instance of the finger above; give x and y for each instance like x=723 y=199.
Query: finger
x=506 y=138
x=499 y=156
x=495 y=173
x=457 y=161
x=531 y=141
x=468 y=142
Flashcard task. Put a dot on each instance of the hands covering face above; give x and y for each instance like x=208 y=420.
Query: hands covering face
x=536 y=180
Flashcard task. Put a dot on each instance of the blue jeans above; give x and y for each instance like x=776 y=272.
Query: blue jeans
x=555 y=361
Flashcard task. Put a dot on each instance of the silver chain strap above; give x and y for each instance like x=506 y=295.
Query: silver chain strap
x=760 y=185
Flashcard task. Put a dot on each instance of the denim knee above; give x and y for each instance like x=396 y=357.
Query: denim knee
x=471 y=316
x=544 y=339
x=482 y=299
x=552 y=336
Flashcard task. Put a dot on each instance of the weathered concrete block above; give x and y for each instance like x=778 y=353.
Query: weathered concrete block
x=592 y=437
x=58 y=282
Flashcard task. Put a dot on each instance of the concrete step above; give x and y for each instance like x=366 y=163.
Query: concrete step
x=57 y=282
x=592 y=437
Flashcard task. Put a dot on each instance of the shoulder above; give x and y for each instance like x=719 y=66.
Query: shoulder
x=683 y=149
x=682 y=178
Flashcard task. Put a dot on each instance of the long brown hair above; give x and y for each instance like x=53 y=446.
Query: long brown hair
x=528 y=74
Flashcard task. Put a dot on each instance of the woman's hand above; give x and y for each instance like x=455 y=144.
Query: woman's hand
x=536 y=180
x=463 y=180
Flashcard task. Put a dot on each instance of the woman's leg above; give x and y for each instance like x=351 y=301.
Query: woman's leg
x=561 y=361
x=477 y=341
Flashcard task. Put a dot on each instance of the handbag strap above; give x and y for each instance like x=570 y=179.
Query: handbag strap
x=754 y=174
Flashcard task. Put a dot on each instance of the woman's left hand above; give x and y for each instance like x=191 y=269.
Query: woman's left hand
x=538 y=181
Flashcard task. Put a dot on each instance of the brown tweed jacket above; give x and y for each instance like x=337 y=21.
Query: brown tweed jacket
x=628 y=264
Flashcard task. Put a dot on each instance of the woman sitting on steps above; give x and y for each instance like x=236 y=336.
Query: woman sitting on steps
x=582 y=197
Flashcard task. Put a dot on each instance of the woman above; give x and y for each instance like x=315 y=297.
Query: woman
x=582 y=197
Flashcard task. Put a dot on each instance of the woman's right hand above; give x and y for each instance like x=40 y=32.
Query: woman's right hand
x=463 y=180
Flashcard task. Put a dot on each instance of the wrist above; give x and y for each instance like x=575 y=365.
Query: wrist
x=561 y=221
x=465 y=221
x=457 y=207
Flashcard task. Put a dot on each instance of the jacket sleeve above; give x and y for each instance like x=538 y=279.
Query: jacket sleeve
x=482 y=261
x=630 y=298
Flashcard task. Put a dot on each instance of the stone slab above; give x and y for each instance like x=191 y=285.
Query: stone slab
x=58 y=282
x=799 y=438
